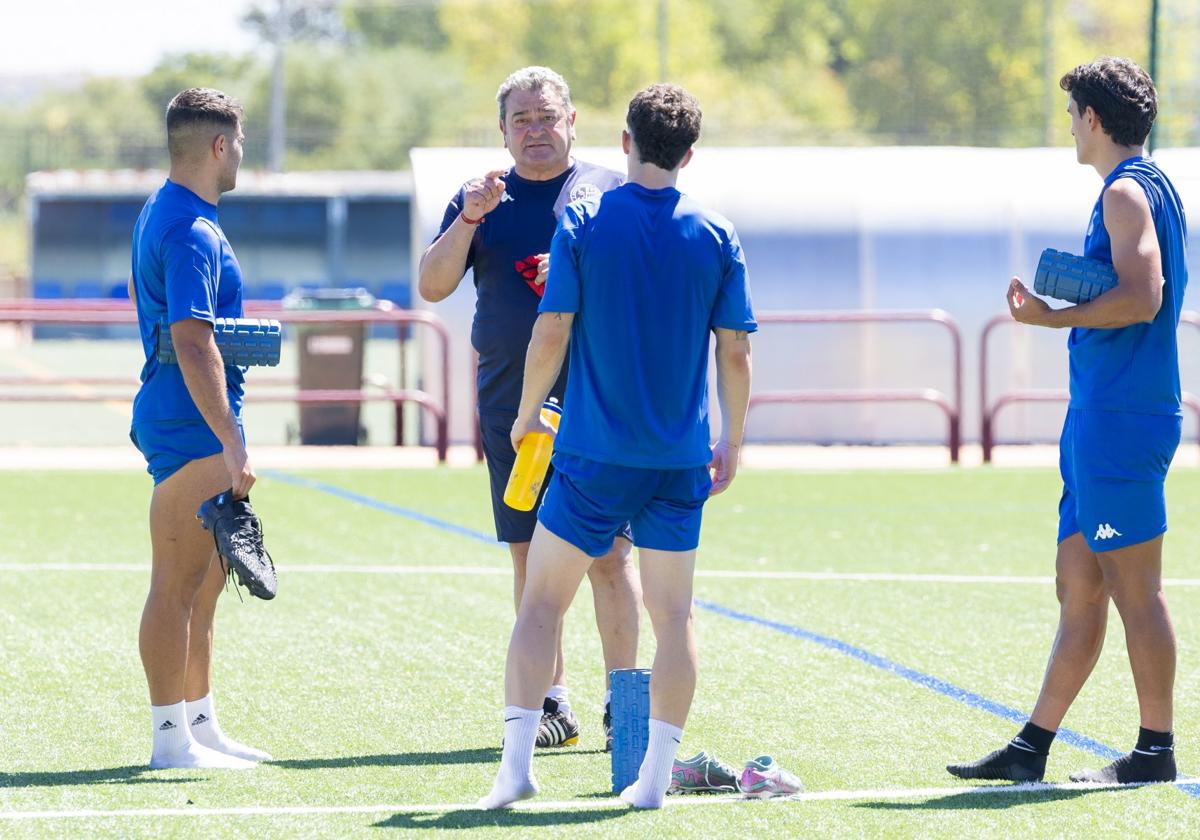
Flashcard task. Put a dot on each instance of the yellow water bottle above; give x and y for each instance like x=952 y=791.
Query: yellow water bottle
x=533 y=458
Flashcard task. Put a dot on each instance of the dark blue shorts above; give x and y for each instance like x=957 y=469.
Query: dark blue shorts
x=1113 y=467
x=169 y=444
x=587 y=502
x=512 y=526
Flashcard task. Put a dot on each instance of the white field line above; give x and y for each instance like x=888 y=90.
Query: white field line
x=564 y=805
x=497 y=571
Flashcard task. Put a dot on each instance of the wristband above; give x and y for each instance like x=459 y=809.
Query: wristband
x=467 y=219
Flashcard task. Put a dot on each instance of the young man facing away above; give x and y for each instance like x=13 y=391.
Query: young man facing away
x=639 y=278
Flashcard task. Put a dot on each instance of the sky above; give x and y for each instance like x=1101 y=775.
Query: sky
x=114 y=37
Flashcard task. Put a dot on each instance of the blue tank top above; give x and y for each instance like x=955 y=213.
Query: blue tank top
x=1135 y=368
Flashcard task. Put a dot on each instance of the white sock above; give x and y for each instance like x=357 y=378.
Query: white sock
x=202 y=718
x=515 y=780
x=607 y=697
x=559 y=694
x=170 y=728
x=654 y=776
x=174 y=746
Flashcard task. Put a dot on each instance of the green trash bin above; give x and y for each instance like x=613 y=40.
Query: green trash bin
x=330 y=358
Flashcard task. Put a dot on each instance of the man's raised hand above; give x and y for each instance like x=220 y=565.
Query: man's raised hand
x=481 y=195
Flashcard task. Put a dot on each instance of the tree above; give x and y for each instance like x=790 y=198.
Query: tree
x=382 y=26
x=947 y=71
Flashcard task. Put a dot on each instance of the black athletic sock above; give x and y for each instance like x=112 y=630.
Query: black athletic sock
x=1152 y=760
x=1034 y=737
x=1023 y=759
x=1153 y=744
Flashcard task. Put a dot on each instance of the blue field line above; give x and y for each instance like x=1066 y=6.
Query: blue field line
x=924 y=680
x=932 y=683
x=386 y=507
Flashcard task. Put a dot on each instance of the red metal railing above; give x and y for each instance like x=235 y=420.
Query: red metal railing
x=988 y=411
x=951 y=406
x=105 y=311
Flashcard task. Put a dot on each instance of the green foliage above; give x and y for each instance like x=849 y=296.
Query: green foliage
x=382 y=26
x=399 y=98
x=941 y=71
x=231 y=73
x=368 y=80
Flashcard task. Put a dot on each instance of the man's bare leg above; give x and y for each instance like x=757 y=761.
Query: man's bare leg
x=1083 y=597
x=617 y=595
x=520 y=553
x=667 y=591
x=1134 y=575
x=202 y=715
x=554 y=570
x=181 y=553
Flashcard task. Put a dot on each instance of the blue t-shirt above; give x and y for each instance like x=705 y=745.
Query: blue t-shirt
x=648 y=274
x=521 y=226
x=183 y=267
x=1135 y=368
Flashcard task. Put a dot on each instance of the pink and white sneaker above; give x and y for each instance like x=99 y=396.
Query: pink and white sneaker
x=764 y=779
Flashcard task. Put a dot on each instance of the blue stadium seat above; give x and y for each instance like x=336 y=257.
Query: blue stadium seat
x=398 y=292
x=47 y=289
x=268 y=291
x=119 y=289
x=89 y=289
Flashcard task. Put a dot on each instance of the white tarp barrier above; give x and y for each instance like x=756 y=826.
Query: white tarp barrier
x=862 y=228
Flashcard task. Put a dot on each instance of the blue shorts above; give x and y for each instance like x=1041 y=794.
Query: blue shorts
x=1113 y=466
x=169 y=444
x=512 y=526
x=587 y=501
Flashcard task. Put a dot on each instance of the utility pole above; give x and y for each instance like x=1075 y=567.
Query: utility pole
x=1150 y=142
x=277 y=132
x=1048 y=74
x=662 y=40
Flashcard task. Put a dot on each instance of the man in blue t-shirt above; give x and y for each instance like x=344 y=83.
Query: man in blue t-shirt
x=187 y=422
x=640 y=277
x=1121 y=431
x=500 y=226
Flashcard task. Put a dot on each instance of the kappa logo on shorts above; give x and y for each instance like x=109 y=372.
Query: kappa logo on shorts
x=1106 y=531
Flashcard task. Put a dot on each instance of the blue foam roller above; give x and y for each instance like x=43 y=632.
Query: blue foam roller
x=630 y=708
x=242 y=341
x=1074 y=279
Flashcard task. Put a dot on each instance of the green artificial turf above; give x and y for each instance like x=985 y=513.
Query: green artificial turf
x=386 y=689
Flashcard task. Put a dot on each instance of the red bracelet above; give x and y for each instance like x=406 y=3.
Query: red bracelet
x=463 y=215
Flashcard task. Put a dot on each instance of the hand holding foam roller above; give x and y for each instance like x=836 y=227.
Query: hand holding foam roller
x=1073 y=279
x=242 y=341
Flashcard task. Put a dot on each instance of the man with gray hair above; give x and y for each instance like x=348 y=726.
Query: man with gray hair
x=500 y=225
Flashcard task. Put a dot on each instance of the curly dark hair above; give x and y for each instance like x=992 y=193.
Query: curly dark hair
x=196 y=108
x=1120 y=92
x=664 y=121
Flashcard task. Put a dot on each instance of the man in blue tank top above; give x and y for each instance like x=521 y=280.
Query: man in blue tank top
x=500 y=226
x=1120 y=434
x=640 y=278
x=187 y=422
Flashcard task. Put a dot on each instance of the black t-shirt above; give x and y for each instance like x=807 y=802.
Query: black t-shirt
x=521 y=226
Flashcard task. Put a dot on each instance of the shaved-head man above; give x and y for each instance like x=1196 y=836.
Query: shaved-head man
x=187 y=423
